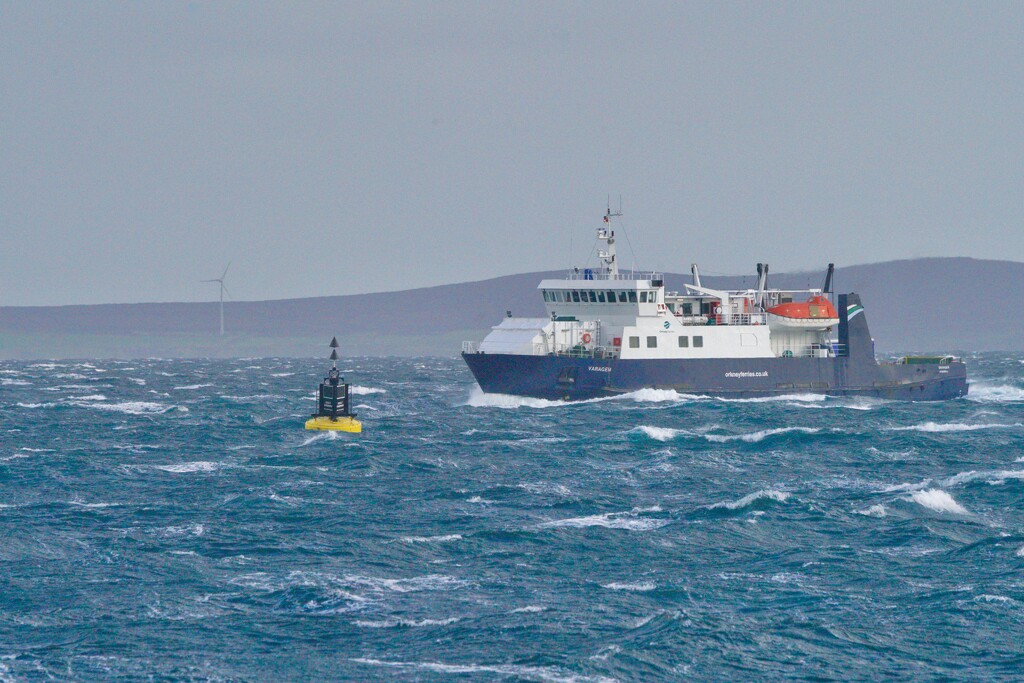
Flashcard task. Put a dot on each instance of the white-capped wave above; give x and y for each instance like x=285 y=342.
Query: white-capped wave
x=760 y=435
x=936 y=427
x=983 y=392
x=432 y=539
x=1020 y=551
x=91 y=397
x=631 y=520
x=363 y=391
x=545 y=487
x=409 y=623
x=545 y=674
x=136 y=380
x=14 y=382
x=281 y=374
x=529 y=609
x=661 y=433
x=763 y=494
x=189 y=387
x=938 y=500
x=637 y=587
x=134 y=407
x=873 y=511
x=197 y=466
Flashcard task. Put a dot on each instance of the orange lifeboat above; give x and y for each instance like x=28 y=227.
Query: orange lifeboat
x=817 y=313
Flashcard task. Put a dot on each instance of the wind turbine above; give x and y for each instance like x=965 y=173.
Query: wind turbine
x=222 y=290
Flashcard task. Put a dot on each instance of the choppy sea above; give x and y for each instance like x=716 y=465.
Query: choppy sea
x=171 y=520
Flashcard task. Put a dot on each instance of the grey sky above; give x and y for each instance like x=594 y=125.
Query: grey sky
x=343 y=148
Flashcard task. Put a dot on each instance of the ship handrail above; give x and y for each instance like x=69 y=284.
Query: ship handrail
x=470 y=347
x=724 y=319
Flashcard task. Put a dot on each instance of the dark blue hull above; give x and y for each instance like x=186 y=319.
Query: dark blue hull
x=561 y=377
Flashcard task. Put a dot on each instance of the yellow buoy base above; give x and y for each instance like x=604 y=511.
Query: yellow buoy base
x=341 y=424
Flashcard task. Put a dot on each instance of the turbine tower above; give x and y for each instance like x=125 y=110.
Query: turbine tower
x=222 y=290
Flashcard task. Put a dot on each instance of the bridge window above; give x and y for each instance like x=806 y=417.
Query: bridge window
x=593 y=296
x=652 y=342
x=575 y=296
x=547 y=295
x=600 y=297
x=632 y=296
x=684 y=341
x=622 y=297
x=611 y=297
x=698 y=341
x=634 y=342
x=643 y=297
x=687 y=309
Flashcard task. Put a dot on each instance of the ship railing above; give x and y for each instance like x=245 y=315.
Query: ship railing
x=605 y=274
x=599 y=352
x=470 y=347
x=725 y=319
x=833 y=350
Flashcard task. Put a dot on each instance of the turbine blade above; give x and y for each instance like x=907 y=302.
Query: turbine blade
x=226 y=270
x=225 y=289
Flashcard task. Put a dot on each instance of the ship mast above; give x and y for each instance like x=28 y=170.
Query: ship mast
x=610 y=263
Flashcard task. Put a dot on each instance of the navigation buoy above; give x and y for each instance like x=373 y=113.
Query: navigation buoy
x=332 y=402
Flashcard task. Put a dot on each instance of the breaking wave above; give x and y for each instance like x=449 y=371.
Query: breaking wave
x=197 y=466
x=873 y=511
x=661 y=433
x=936 y=427
x=631 y=520
x=636 y=587
x=759 y=435
x=136 y=407
x=983 y=392
x=363 y=391
x=938 y=500
x=752 y=499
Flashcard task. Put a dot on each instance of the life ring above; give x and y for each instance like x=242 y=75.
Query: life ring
x=586 y=337
x=718 y=310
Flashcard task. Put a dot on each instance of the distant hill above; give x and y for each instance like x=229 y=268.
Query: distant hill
x=932 y=304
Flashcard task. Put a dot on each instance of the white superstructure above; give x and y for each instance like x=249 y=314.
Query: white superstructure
x=603 y=313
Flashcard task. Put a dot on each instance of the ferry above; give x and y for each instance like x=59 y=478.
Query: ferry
x=612 y=332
